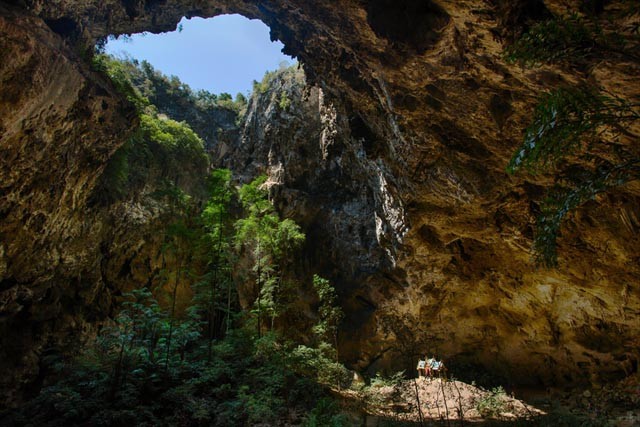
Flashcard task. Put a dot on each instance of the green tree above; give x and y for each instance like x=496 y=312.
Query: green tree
x=216 y=239
x=271 y=242
x=119 y=74
x=173 y=145
x=330 y=313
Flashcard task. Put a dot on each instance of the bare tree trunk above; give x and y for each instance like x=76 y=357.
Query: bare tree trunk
x=259 y=291
x=229 y=282
x=415 y=385
x=172 y=317
x=460 y=408
x=210 y=318
x=444 y=397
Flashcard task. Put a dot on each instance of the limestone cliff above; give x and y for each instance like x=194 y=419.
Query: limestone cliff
x=398 y=169
x=67 y=249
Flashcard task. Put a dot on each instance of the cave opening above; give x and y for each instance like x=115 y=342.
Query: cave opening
x=68 y=260
x=223 y=54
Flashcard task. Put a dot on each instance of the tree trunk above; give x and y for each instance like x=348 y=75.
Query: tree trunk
x=259 y=290
x=172 y=317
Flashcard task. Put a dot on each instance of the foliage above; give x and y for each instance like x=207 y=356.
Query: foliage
x=320 y=361
x=261 y=87
x=330 y=313
x=325 y=414
x=155 y=94
x=570 y=39
x=174 y=144
x=394 y=380
x=238 y=105
x=121 y=379
x=571 y=121
x=492 y=404
x=284 y=102
x=555 y=40
x=117 y=379
x=160 y=364
x=577 y=121
x=158 y=150
x=174 y=97
x=270 y=243
x=567 y=119
x=157 y=365
x=214 y=293
x=118 y=73
x=562 y=200
x=319 y=364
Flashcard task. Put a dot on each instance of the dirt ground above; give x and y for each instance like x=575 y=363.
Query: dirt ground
x=437 y=400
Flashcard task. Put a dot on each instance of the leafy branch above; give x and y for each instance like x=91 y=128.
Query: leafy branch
x=565 y=122
x=563 y=200
x=567 y=119
x=579 y=121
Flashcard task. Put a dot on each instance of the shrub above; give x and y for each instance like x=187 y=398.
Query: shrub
x=392 y=381
x=492 y=404
x=285 y=102
x=325 y=414
x=317 y=363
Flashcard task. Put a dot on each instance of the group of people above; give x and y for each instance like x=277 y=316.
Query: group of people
x=428 y=367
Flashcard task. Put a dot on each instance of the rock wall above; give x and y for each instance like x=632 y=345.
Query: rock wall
x=59 y=126
x=400 y=175
x=64 y=259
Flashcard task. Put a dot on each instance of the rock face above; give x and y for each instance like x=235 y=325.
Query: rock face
x=394 y=163
x=64 y=259
x=59 y=126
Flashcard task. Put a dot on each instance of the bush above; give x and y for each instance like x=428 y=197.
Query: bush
x=392 y=381
x=492 y=404
x=325 y=414
x=315 y=363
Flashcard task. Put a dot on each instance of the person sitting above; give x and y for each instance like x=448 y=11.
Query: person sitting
x=430 y=362
x=437 y=366
x=421 y=368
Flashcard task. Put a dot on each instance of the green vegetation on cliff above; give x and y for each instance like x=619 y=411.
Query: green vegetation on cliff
x=157 y=152
x=583 y=123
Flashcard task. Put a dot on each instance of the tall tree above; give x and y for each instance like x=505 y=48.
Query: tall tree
x=271 y=242
x=216 y=239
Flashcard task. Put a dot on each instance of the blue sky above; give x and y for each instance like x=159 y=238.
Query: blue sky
x=221 y=54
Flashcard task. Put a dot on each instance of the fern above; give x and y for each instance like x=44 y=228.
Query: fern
x=567 y=119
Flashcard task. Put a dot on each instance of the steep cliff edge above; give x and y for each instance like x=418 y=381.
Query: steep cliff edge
x=400 y=174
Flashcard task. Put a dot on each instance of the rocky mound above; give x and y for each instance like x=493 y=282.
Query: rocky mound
x=424 y=401
x=440 y=399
